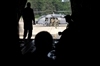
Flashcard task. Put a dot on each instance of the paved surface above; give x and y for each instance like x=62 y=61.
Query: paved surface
x=39 y=27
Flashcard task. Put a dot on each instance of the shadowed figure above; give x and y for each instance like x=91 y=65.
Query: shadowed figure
x=70 y=26
x=44 y=44
x=29 y=20
x=66 y=47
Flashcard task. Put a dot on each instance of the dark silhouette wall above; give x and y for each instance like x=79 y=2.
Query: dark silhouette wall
x=10 y=13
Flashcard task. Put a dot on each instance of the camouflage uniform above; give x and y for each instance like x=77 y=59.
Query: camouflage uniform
x=56 y=23
x=52 y=22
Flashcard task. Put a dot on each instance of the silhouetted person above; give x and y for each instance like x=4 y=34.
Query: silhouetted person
x=70 y=25
x=29 y=20
x=66 y=47
x=44 y=44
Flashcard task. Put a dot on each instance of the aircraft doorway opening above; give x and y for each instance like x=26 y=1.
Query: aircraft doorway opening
x=48 y=9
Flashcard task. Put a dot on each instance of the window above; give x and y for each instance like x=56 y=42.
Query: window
x=48 y=9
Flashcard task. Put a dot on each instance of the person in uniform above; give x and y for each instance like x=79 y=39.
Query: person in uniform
x=52 y=21
x=56 y=23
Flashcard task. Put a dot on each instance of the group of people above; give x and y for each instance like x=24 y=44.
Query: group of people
x=44 y=41
x=44 y=44
x=29 y=21
x=53 y=21
x=44 y=37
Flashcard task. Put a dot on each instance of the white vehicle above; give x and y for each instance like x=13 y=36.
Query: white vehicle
x=60 y=17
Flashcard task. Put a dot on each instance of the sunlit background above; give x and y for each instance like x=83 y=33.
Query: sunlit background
x=43 y=8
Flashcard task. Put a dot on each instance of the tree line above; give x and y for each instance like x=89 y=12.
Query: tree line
x=43 y=7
